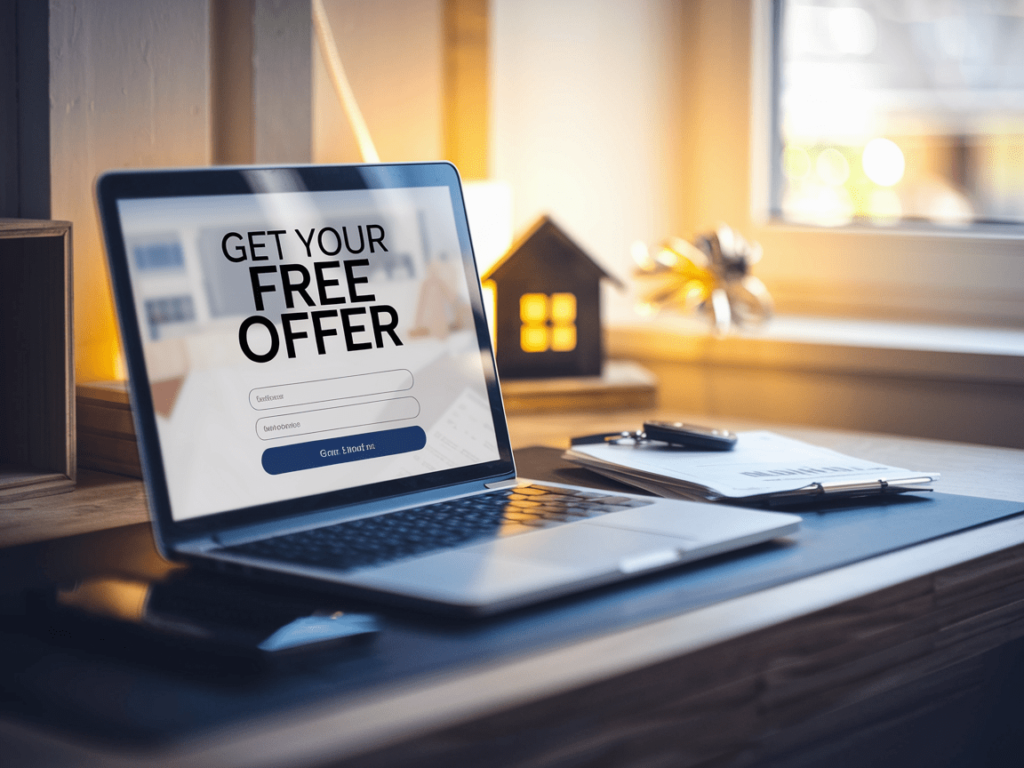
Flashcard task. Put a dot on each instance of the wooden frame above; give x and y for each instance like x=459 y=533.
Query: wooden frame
x=37 y=377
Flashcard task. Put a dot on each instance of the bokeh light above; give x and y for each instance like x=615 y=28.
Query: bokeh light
x=820 y=205
x=883 y=162
x=796 y=163
x=923 y=99
x=832 y=168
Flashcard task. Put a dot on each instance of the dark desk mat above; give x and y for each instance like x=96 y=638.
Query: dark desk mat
x=130 y=693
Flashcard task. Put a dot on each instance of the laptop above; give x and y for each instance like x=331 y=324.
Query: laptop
x=315 y=396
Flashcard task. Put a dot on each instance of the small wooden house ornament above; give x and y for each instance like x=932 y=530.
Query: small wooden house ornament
x=547 y=311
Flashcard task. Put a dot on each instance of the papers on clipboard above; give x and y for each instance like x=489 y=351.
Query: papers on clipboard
x=763 y=468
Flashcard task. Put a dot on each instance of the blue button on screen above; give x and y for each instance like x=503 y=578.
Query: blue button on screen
x=339 y=450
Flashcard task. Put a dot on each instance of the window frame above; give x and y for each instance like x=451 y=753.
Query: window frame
x=913 y=272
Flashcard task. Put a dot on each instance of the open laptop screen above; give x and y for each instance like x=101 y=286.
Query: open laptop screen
x=300 y=342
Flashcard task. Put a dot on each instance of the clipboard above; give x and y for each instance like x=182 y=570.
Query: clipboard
x=764 y=469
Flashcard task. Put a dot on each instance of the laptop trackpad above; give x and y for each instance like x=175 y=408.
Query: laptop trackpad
x=536 y=562
x=590 y=549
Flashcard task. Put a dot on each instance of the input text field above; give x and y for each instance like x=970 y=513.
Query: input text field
x=338 y=417
x=325 y=390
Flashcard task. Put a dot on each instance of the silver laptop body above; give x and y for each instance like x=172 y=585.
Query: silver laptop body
x=308 y=352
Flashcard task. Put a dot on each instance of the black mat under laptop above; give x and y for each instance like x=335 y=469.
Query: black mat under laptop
x=129 y=695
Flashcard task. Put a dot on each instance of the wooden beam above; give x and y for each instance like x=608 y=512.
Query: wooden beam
x=231 y=104
x=282 y=77
x=466 y=72
x=261 y=81
x=25 y=116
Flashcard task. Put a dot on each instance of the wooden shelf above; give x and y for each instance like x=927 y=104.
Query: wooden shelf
x=622 y=385
x=99 y=501
x=106 y=432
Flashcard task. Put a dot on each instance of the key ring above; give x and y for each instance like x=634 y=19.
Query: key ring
x=671 y=434
x=639 y=436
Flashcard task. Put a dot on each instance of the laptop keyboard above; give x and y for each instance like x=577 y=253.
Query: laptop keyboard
x=376 y=540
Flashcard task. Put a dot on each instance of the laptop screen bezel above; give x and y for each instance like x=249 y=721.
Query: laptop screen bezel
x=212 y=182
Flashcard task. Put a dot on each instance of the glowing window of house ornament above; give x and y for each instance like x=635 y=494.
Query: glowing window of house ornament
x=533 y=338
x=563 y=338
x=563 y=322
x=563 y=309
x=533 y=308
x=549 y=322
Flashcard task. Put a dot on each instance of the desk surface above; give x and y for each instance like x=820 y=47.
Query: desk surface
x=718 y=682
x=107 y=501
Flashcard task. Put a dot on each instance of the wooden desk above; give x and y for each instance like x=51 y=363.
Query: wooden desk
x=810 y=669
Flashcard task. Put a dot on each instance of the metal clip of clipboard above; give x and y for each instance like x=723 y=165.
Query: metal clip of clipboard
x=840 y=489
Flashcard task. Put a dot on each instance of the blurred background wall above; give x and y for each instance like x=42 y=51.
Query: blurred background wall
x=129 y=88
x=625 y=120
x=586 y=107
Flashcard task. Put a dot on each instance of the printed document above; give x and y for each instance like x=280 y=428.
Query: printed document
x=762 y=465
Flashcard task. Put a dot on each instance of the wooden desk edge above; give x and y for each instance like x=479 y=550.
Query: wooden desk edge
x=351 y=726
x=356 y=725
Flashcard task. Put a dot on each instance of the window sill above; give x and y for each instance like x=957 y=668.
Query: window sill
x=945 y=382
x=914 y=350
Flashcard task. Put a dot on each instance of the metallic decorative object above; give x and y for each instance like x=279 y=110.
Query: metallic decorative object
x=711 y=277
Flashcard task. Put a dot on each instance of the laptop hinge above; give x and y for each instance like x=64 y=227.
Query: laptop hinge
x=201 y=544
x=501 y=484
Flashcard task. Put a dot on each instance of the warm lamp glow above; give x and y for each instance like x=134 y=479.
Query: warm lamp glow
x=120 y=369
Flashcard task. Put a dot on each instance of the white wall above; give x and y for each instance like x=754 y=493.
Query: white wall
x=587 y=106
x=587 y=115
x=128 y=88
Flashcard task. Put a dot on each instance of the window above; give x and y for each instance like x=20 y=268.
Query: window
x=912 y=272
x=892 y=112
x=670 y=132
